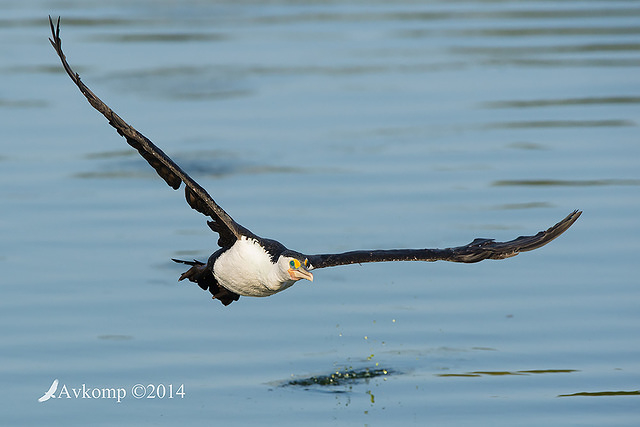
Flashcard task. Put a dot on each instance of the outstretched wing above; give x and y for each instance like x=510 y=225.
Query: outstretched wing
x=475 y=251
x=196 y=196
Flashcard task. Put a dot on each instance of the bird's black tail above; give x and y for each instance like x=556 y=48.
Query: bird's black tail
x=201 y=274
x=181 y=261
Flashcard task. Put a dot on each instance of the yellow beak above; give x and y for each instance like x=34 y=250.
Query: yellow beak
x=300 y=273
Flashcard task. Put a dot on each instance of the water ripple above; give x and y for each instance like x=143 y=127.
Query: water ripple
x=524 y=124
x=603 y=393
x=503 y=373
x=565 y=182
x=341 y=377
x=536 y=103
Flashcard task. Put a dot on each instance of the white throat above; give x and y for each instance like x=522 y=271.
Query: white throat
x=246 y=269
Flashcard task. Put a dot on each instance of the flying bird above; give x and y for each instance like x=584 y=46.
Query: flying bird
x=249 y=265
x=49 y=393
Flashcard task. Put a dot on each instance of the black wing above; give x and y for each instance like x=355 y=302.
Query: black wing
x=475 y=251
x=196 y=196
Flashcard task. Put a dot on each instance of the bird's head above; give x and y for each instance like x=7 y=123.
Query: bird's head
x=296 y=266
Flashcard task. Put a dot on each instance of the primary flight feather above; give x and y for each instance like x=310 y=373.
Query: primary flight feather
x=249 y=265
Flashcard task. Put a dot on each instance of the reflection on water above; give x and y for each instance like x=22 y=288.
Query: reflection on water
x=552 y=49
x=559 y=124
x=566 y=183
x=22 y=103
x=502 y=373
x=200 y=164
x=602 y=393
x=537 y=103
x=185 y=82
x=163 y=37
x=346 y=377
x=549 y=31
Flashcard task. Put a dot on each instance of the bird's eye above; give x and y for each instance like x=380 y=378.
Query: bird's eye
x=294 y=263
x=306 y=262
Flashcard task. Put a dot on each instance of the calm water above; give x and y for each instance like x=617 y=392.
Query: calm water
x=329 y=126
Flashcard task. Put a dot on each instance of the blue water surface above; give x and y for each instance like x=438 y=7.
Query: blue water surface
x=330 y=126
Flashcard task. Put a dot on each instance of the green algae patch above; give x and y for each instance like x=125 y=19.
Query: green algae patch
x=340 y=377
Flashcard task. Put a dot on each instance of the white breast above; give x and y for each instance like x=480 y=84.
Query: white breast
x=246 y=269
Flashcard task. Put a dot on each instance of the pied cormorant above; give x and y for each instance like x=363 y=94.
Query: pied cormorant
x=249 y=265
